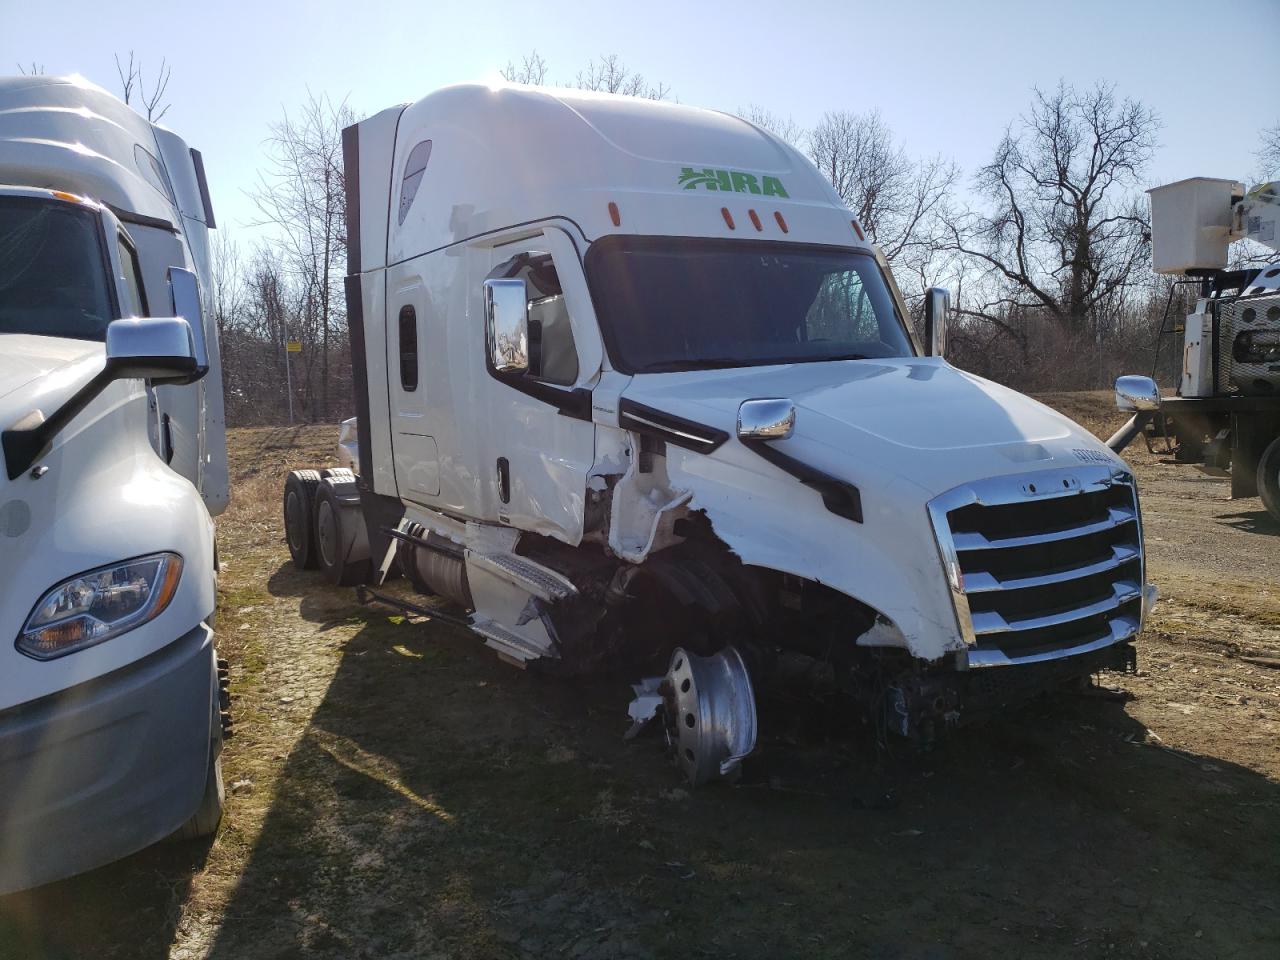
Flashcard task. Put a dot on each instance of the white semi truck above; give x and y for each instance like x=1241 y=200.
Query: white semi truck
x=636 y=394
x=112 y=710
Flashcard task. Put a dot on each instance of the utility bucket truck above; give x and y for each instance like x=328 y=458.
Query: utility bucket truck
x=114 y=462
x=636 y=394
x=1226 y=414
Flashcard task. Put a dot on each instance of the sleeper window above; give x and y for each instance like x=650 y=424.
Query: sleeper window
x=408 y=349
x=414 y=168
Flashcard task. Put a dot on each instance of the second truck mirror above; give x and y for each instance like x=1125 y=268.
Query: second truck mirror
x=185 y=290
x=937 y=303
x=506 y=310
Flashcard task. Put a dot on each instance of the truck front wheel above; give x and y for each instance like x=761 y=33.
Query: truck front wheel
x=204 y=822
x=1269 y=478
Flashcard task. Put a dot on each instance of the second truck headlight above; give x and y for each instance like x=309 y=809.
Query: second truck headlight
x=100 y=604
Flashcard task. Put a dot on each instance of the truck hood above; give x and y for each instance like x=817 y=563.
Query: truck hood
x=40 y=373
x=917 y=418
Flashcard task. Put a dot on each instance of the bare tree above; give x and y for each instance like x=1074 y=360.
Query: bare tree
x=784 y=127
x=532 y=70
x=608 y=74
x=302 y=192
x=132 y=81
x=31 y=69
x=1269 y=152
x=895 y=199
x=1064 y=234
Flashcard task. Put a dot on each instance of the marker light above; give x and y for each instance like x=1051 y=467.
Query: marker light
x=755 y=219
x=858 y=230
x=777 y=215
x=728 y=217
x=614 y=215
x=100 y=604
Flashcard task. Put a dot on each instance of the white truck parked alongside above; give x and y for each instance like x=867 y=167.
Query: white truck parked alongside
x=1226 y=414
x=111 y=708
x=635 y=393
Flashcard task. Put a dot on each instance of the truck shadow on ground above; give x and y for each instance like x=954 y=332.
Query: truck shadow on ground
x=1252 y=521
x=441 y=804
x=133 y=905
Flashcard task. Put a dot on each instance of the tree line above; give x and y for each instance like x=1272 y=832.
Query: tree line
x=1046 y=247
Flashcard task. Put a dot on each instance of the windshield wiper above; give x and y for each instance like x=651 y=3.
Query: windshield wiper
x=721 y=363
x=697 y=363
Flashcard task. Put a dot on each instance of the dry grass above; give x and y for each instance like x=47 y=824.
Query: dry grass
x=401 y=794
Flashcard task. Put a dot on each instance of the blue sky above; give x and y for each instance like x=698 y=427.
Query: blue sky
x=947 y=76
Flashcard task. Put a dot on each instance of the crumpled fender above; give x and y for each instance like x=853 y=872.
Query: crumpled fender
x=890 y=561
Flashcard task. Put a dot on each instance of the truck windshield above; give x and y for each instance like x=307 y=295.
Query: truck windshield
x=687 y=304
x=53 y=270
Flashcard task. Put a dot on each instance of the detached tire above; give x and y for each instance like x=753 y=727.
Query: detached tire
x=1269 y=478
x=299 y=511
x=341 y=544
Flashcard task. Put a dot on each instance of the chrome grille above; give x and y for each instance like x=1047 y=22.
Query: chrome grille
x=1044 y=565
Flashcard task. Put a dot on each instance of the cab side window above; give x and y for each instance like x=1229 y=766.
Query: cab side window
x=553 y=357
x=135 y=304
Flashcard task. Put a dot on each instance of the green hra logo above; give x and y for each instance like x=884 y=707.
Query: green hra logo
x=731 y=181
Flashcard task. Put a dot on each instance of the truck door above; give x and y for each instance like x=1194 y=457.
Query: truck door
x=540 y=439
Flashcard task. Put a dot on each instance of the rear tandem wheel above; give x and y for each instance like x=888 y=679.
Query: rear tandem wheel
x=1269 y=478
x=299 y=509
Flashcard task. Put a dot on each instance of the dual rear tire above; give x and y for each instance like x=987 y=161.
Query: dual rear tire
x=1269 y=478
x=324 y=526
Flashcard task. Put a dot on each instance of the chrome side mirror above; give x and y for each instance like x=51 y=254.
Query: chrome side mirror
x=185 y=290
x=159 y=349
x=937 y=304
x=1137 y=394
x=766 y=419
x=506 y=311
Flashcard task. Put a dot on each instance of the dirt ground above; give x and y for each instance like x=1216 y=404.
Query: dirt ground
x=396 y=792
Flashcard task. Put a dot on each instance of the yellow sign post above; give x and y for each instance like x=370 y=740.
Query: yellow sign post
x=290 y=346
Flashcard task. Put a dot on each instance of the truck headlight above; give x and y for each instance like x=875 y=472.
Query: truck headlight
x=100 y=604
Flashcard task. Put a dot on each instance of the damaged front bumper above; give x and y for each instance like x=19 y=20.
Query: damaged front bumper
x=917 y=707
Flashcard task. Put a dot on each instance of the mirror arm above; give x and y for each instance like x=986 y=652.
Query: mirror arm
x=24 y=445
x=1124 y=436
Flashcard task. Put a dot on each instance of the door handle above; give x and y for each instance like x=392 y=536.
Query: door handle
x=504 y=480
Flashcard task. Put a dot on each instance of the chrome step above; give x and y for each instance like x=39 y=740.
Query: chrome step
x=506 y=641
x=535 y=579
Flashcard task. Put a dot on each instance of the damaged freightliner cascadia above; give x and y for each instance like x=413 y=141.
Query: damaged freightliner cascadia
x=635 y=394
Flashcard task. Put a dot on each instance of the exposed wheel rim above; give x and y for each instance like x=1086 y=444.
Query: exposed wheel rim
x=293 y=520
x=327 y=533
